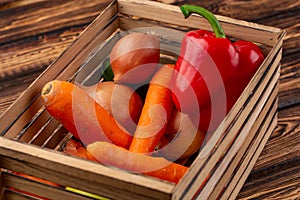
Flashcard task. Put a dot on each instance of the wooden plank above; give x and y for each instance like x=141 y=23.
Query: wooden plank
x=242 y=178
x=41 y=134
x=55 y=138
x=245 y=154
x=11 y=195
x=239 y=141
x=263 y=122
x=36 y=122
x=78 y=173
x=172 y=14
x=39 y=189
x=289 y=91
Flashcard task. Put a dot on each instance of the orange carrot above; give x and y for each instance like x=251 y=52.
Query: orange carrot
x=75 y=148
x=81 y=115
x=119 y=157
x=156 y=112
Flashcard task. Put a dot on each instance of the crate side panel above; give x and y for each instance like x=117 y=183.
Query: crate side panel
x=232 y=154
x=40 y=189
x=107 y=187
x=246 y=172
x=243 y=131
x=263 y=119
x=172 y=14
x=12 y=195
x=250 y=158
x=78 y=173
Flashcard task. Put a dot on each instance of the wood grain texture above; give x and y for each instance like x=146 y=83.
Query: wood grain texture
x=33 y=33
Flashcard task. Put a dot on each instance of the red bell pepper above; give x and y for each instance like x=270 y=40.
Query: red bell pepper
x=211 y=72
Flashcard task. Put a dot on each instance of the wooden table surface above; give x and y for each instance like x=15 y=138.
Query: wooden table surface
x=35 y=32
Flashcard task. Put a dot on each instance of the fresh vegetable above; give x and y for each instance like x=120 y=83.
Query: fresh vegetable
x=81 y=115
x=120 y=100
x=135 y=57
x=182 y=139
x=212 y=70
x=156 y=112
x=158 y=167
x=76 y=148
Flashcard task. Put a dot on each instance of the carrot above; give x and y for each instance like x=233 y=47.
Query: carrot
x=156 y=112
x=81 y=115
x=112 y=155
x=75 y=148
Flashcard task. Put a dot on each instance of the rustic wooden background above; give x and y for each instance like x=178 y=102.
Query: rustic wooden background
x=35 y=32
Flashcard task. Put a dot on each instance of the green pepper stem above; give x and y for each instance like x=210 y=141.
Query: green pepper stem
x=187 y=10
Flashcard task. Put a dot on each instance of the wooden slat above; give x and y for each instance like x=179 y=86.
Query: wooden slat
x=55 y=138
x=263 y=122
x=170 y=14
x=250 y=165
x=39 y=189
x=12 y=195
x=89 y=176
x=39 y=136
x=245 y=173
x=245 y=154
x=91 y=73
x=270 y=94
x=35 y=125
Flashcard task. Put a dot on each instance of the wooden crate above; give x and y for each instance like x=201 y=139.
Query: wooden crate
x=31 y=138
